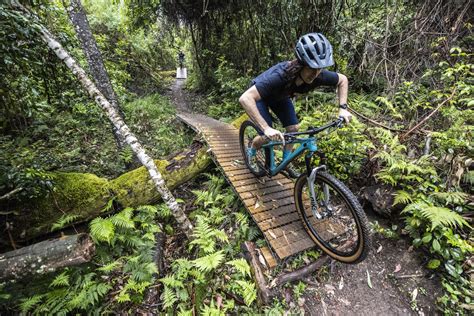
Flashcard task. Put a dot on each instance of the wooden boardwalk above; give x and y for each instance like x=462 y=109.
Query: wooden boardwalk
x=269 y=200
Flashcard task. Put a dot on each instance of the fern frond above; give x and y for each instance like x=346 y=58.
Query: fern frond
x=110 y=267
x=386 y=178
x=253 y=233
x=248 y=291
x=168 y=297
x=386 y=157
x=63 y=221
x=209 y=262
x=149 y=209
x=454 y=197
x=241 y=218
x=109 y=205
x=441 y=216
x=241 y=265
x=402 y=197
x=102 y=229
x=183 y=312
x=171 y=281
x=221 y=235
x=468 y=177
x=123 y=219
x=60 y=280
x=28 y=303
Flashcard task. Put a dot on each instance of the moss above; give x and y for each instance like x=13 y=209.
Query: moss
x=238 y=121
x=80 y=194
x=135 y=188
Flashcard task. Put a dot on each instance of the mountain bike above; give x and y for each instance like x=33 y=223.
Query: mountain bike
x=330 y=212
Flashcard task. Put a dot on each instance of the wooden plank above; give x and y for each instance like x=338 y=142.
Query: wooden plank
x=270 y=260
x=295 y=248
x=272 y=223
x=281 y=210
x=268 y=197
x=288 y=238
x=256 y=208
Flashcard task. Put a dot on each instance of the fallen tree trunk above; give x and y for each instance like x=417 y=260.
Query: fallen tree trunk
x=46 y=256
x=83 y=196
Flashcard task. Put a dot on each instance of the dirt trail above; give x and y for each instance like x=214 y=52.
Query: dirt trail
x=399 y=285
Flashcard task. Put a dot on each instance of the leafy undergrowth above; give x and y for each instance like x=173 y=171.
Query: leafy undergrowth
x=205 y=276
x=80 y=139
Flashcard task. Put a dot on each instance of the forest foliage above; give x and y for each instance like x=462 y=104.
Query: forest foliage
x=407 y=61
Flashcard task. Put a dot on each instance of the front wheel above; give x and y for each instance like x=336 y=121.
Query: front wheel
x=333 y=217
x=256 y=160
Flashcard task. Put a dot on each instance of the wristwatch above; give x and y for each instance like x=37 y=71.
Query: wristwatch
x=343 y=106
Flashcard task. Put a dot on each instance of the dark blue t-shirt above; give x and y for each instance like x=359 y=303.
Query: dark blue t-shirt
x=274 y=84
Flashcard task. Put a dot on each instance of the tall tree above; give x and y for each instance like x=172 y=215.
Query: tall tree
x=78 y=17
x=114 y=116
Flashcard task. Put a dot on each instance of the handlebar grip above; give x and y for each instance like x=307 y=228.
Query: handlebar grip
x=340 y=121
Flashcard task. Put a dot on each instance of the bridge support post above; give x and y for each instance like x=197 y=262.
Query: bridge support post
x=264 y=294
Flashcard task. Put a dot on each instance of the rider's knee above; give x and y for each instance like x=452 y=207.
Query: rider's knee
x=293 y=128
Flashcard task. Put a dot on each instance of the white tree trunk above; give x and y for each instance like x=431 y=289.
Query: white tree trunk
x=120 y=125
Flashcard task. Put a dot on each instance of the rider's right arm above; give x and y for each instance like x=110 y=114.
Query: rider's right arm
x=248 y=100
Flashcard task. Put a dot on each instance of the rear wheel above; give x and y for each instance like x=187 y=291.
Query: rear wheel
x=335 y=220
x=255 y=161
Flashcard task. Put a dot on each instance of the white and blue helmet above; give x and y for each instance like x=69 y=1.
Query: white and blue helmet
x=314 y=50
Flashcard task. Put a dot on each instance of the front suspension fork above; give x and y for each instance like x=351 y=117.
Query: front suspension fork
x=311 y=177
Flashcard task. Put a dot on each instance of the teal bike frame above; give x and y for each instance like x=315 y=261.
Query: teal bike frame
x=306 y=144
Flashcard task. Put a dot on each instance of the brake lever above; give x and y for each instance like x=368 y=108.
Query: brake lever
x=340 y=121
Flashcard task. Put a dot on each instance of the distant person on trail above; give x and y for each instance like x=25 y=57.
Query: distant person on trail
x=181 y=59
x=272 y=90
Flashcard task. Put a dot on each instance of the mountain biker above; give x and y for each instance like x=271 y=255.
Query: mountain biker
x=272 y=90
x=181 y=59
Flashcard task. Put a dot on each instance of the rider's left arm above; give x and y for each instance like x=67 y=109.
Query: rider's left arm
x=342 y=88
x=342 y=91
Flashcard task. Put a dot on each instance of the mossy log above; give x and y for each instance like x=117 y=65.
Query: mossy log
x=84 y=196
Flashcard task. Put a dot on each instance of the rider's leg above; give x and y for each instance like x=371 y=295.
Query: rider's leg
x=260 y=140
x=288 y=148
x=285 y=112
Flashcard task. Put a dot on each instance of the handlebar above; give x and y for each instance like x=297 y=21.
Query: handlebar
x=312 y=131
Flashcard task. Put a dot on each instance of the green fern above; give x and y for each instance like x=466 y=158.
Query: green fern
x=241 y=265
x=108 y=207
x=211 y=310
x=441 y=216
x=454 y=197
x=209 y=262
x=60 y=280
x=241 y=218
x=63 y=221
x=171 y=281
x=168 y=297
x=206 y=236
x=102 y=229
x=248 y=291
x=402 y=197
x=123 y=219
x=110 y=267
x=30 y=302
x=437 y=216
x=186 y=312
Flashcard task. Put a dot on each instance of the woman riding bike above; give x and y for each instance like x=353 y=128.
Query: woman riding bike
x=272 y=90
